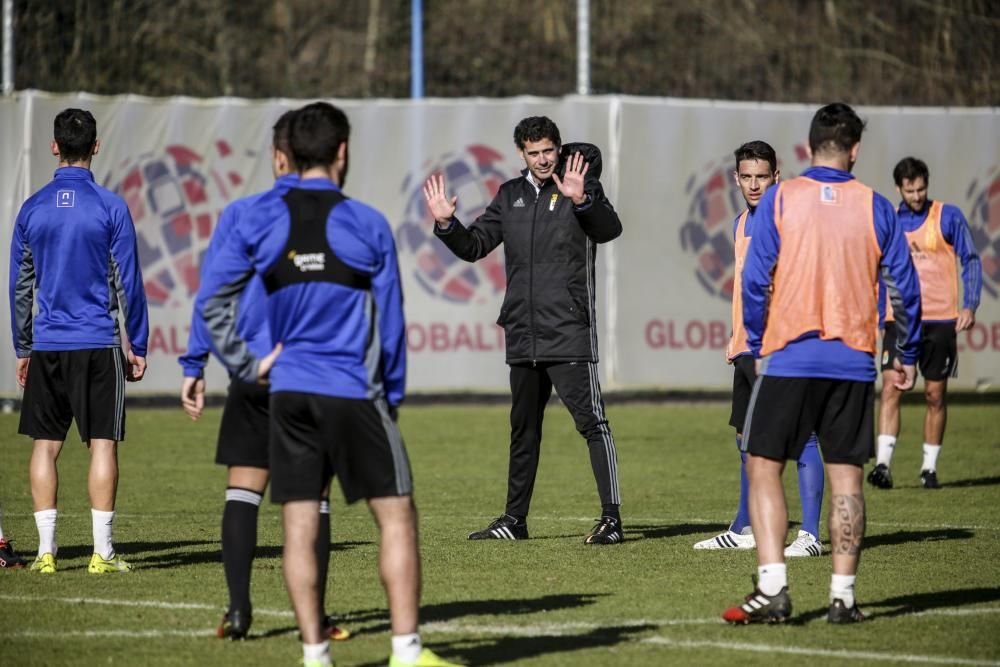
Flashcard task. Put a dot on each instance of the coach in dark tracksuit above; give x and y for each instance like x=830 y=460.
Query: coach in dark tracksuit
x=550 y=221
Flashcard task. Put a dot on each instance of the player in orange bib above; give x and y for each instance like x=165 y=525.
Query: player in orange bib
x=810 y=309
x=756 y=171
x=938 y=234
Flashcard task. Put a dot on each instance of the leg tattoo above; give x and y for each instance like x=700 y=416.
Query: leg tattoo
x=847 y=523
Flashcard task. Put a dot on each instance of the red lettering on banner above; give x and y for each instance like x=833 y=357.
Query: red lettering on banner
x=654 y=334
x=416 y=339
x=670 y=337
x=446 y=337
x=982 y=336
x=689 y=335
x=157 y=341
x=439 y=337
x=977 y=338
x=462 y=338
x=694 y=334
x=168 y=340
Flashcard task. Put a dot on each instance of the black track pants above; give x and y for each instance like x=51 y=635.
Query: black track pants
x=579 y=389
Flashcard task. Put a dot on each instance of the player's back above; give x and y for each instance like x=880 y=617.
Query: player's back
x=320 y=255
x=826 y=277
x=66 y=233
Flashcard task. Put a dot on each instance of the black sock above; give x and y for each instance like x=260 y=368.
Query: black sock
x=520 y=520
x=239 y=540
x=612 y=512
x=323 y=552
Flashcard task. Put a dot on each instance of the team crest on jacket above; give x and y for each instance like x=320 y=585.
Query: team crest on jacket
x=175 y=197
x=706 y=234
x=474 y=174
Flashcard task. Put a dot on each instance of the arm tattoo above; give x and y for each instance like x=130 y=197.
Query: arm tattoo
x=847 y=523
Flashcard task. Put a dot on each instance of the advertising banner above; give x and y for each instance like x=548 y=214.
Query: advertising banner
x=665 y=284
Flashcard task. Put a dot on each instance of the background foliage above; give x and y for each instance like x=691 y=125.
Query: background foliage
x=909 y=52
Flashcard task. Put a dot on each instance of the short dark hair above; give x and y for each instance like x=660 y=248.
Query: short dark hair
x=910 y=169
x=315 y=133
x=282 y=131
x=75 y=132
x=835 y=128
x=756 y=150
x=536 y=128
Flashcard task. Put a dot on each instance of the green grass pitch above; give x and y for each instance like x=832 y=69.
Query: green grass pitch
x=929 y=579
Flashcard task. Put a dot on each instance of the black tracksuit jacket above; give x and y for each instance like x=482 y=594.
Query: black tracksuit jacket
x=549 y=310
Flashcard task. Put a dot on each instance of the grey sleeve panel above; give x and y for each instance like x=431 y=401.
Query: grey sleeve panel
x=219 y=314
x=117 y=296
x=903 y=325
x=24 y=302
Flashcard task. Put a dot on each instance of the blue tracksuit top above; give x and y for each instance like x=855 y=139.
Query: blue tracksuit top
x=251 y=311
x=338 y=340
x=956 y=233
x=810 y=356
x=74 y=251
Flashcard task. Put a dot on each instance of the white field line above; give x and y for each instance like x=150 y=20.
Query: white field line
x=454 y=627
x=818 y=652
x=157 y=604
x=105 y=634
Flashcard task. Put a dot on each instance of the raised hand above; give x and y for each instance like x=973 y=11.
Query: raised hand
x=571 y=184
x=442 y=208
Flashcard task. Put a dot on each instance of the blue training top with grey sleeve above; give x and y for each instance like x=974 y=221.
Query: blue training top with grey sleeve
x=328 y=264
x=74 y=250
x=251 y=310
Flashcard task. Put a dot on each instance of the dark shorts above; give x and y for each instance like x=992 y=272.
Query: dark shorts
x=938 y=353
x=744 y=375
x=243 y=434
x=314 y=437
x=784 y=412
x=88 y=385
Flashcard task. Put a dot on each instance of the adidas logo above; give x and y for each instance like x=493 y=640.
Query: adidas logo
x=519 y=203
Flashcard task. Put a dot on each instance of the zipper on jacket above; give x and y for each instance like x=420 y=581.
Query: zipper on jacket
x=531 y=278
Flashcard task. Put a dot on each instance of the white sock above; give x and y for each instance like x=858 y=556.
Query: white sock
x=45 y=521
x=1 y=523
x=102 y=532
x=772 y=578
x=930 y=456
x=317 y=652
x=407 y=647
x=886 y=446
x=842 y=588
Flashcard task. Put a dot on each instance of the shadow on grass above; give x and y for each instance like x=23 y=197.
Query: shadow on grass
x=161 y=555
x=907 y=536
x=447 y=611
x=904 y=605
x=981 y=481
x=676 y=530
x=130 y=548
x=513 y=650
